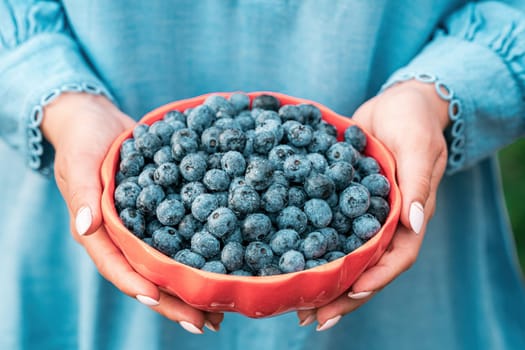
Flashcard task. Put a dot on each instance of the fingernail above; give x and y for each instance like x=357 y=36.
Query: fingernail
x=359 y=295
x=147 y=300
x=416 y=216
x=308 y=320
x=83 y=220
x=190 y=327
x=328 y=324
x=211 y=326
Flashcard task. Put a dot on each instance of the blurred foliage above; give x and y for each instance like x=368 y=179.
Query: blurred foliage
x=512 y=161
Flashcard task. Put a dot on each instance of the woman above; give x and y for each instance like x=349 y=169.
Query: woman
x=453 y=86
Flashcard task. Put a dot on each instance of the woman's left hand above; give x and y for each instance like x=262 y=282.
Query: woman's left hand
x=409 y=118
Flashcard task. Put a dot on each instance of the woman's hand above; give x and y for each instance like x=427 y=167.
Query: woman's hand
x=81 y=127
x=409 y=118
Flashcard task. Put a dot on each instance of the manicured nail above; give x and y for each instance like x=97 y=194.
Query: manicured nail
x=211 y=326
x=83 y=220
x=147 y=300
x=308 y=320
x=359 y=295
x=416 y=216
x=328 y=324
x=190 y=327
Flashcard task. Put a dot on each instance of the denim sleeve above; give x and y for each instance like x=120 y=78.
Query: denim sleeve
x=476 y=59
x=39 y=59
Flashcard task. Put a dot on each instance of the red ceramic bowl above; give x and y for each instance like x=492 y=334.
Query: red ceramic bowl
x=251 y=296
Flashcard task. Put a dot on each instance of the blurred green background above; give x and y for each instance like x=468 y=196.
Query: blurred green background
x=512 y=161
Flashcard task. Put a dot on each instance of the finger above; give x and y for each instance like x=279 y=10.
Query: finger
x=330 y=314
x=306 y=317
x=113 y=266
x=213 y=320
x=189 y=318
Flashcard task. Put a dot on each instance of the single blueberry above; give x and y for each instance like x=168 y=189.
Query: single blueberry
x=365 y=226
x=245 y=120
x=205 y=244
x=284 y=240
x=127 y=147
x=367 y=165
x=243 y=199
x=342 y=151
x=355 y=136
x=377 y=185
x=256 y=227
x=134 y=221
x=174 y=116
x=214 y=160
x=315 y=245
x=214 y=266
x=163 y=130
x=326 y=128
x=239 y=101
x=319 y=162
x=132 y=165
x=321 y=142
x=292 y=218
x=258 y=255
x=188 y=226
x=341 y=174
x=167 y=240
x=297 y=196
x=222 y=221
x=333 y=255
x=170 y=212
x=278 y=155
x=259 y=173
x=311 y=263
x=318 y=212
x=190 y=191
x=149 y=198
x=340 y=222
x=163 y=155
x=311 y=114
x=351 y=243
x=269 y=270
x=291 y=112
x=210 y=139
x=220 y=106
x=296 y=168
x=233 y=163
x=292 y=261
x=232 y=140
x=183 y=142
x=319 y=186
x=275 y=198
x=203 y=205
x=241 y=273
x=147 y=144
x=216 y=180
x=200 y=118
x=187 y=257
x=193 y=167
x=232 y=256
x=139 y=130
x=354 y=200
x=380 y=208
x=151 y=226
x=167 y=174
x=299 y=135
x=126 y=195
x=267 y=102
x=263 y=141
x=332 y=238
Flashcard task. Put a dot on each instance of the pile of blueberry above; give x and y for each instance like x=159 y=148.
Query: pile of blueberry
x=255 y=191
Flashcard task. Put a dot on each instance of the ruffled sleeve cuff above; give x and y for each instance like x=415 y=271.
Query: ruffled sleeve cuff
x=33 y=75
x=477 y=63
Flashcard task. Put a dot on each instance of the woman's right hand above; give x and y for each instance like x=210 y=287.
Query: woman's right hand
x=81 y=128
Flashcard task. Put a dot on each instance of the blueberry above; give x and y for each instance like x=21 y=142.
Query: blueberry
x=239 y=101
x=284 y=240
x=299 y=135
x=278 y=155
x=354 y=200
x=292 y=261
x=321 y=142
x=190 y=191
x=275 y=198
x=259 y=173
x=258 y=255
x=163 y=155
x=132 y=165
x=232 y=256
x=263 y=141
x=216 y=180
x=273 y=126
x=318 y=212
x=232 y=140
x=170 y=212
x=326 y=128
x=139 y=130
x=152 y=226
x=367 y=165
x=235 y=236
x=332 y=238
x=222 y=221
x=203 y=205
x=278 y=178
x=126 y=195
x=311 y=263
x=188 y=226
x=214 y=160
x=163 y=130
x=174 y=116
x=351 y=243
x=377 y=185
x=365 y=226
x=355 y=136
x=222 y=198
x=291 y=112
x=244 y=199
x=319 y=186
x=245 y=120
x=342 y=151
x=210 y=139
x=315 y=245
x=292 y=218
x=237 y=181
x=296 y=196
x=319 y=162
x=149 y=198
x=267 y=102
x=241 y=273
x=187 y=257
x=134 y=221
x=341 y=174
x=220 y=106
x=340 y=222
x=200 y=118
x=296 y=168
x=256 y=227
x=311 y=114
x=214 y=266
x=167 y=174
x=380 y=208
x=183 y=142
x=333 y=200
x=193 y=167
x=227 y=123
x=147 y=144
x=205 y=244
x=127 y=148
x=333 y=255
x=167 y=240
x=233 y=163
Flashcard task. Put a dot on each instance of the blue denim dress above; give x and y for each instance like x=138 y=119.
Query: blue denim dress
x=464 y=292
